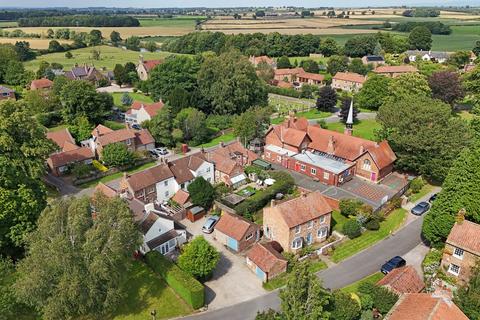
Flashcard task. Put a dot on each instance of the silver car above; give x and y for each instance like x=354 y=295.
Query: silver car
x=209 y=224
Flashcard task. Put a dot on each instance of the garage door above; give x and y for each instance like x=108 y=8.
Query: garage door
x=232 y=243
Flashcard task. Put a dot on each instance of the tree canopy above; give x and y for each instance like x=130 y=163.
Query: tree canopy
x=374 y=92
x=201 y=192
x=420 y=38
x=466 y=297
x=199 y=258
x=117 y=155
x=446 y=86
x=251 y=124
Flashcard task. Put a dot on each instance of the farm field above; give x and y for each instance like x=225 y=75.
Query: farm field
x=7 y=24
x=34 y=43
x=109 y=57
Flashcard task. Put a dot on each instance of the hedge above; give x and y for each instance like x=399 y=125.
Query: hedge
x=284 y=91
x=184 y=285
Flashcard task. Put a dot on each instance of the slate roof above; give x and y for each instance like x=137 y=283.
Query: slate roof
x=161 y=239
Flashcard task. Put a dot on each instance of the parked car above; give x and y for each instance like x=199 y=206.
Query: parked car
x=153 y=154
x=161 y=151
x=136 y=127
x=395 y=262
x=209 y=224
x=433 y=197
x=420 y=208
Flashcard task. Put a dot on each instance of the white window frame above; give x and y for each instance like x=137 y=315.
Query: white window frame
x=303 y=167
x=321 y=219
x=309 y=240
x=248 y=237
x=367 y=165
x=313 y=171
x=297 y=243
x=322 y=232
x=298 y=229
x=460 y=253
x=451 y=269
x=267 y=154
x=310 y=224
x=326 y=175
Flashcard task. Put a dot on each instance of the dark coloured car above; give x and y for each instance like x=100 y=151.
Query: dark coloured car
x=136 y=127
x=432 y=198
x=209 y=224
x=395 y=262
x=420 y=208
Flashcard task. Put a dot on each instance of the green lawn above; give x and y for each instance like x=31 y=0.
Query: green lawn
x=117 y=98
x=57 y=128
x=227 y=137
x=109 y=57
x=114 y=125
x=362 y=128
x=8 y=24
x=350 y=247
x=117 y=175
x=319 y=60
x=426 y=189
x=338 y=220
x=353 y=288
x=147 y=292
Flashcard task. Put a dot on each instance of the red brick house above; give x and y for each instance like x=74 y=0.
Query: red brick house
x=69 y=154
x=329 y=156
x=297 y=76
x=301 y=221
x=348 y=81
x=266 y=261
x=395 y=71
x=403 y=280
x=41 y=84
x=462 y=250
x=236 y=232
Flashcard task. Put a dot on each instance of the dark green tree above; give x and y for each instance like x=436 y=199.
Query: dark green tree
x=77 y=263
x=178 y=99
x=192 y=122
x=466 y=297
x=344 y=109
x=329 y=47
x=120 y=75
x=161 y=127
x=344 y=307
x=24 y=52
x=446 y=86
x=357 y=66
x=115 y=38
x=420 y=38
x=283 y=62
x=327 y=99
x=310 y=66
x=55 y=46
x=201 y=192
x=7 y=56
x=360 y=46
x=374 y=92
x=117 y=155
x=382 y=299
x=16 y=75
x=133 y=43
x=251 y=124
x=199 y=258
x=337 y=64
x=95 y=37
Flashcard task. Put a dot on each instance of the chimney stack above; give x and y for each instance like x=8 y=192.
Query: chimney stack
x=331 y=146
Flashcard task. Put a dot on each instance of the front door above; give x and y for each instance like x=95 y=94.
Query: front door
x=373 y=176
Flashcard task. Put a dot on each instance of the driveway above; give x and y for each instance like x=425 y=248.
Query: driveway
x=232 y=281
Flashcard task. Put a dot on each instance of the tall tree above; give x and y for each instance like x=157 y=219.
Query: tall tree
x=161 y=126
x=344 y=307
x=115 y=37
x=95 y=37
x=117 y=155
x=199 y=258
x=77 y=262
x=329 y=47
x=303 y=297
x=251 y=124
x=459 y=191
x=178 y=99
x=7 y=56
x=446 y=86
x=230 y=84
x=337 y=64
x=360 y=46
x=283 y=62
x=420 y=38
x=357 y=66
x=265 y=71
x=467 y=296
x=409 y=84
x=192 y=122
x=327 y=99
x=423 y=134
x=133 y=43
x=374 y=92
x=23 y=152
x=310 y=66
x=120 y=75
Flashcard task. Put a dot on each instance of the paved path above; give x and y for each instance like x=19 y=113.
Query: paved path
x=63 y=187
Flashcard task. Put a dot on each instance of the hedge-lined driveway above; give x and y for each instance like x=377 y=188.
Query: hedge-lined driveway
x=232 y=281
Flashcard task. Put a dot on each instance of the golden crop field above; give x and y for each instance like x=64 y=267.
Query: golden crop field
x=34 y=43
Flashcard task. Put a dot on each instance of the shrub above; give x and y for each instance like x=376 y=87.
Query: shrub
x=184 y=285
x=80 y=170
x=352 y=229
x=49 y=119
x=417 y=184
x=372 y=225
x=100 y=167
x=382 y=298
x=199 y=258
x=349 y=207
x=201 y=192
x=117 y=155
x=284 y=91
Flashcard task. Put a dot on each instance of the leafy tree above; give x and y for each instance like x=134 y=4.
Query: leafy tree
x=199 y=258
x=251 y=124
x=352 y=229
x=95 y=37
x=7 y=56
x=81 y=128
x=265 y=71
x=50 y=34
x=23 y=152
x=160 y=126
x=55 y=46
x=409 y=84
x=306 y=91
x=270 y=314
x=117 y=155
x=192 y=122
x=420 y=38
x=337 y=64
x=230 y=85
x=283 y=62
x=374 y=92
x=329 y=47
x=120 y=75
x=178 y=99
x=175 y=72
x=133 y=43
x=357 y=66
x=80 y=98
x=327 y=99
x=23 y=51
x=304 y=297
x=39 y=101
x=346 y=108
x=360 y=46
x=466 y=297
x=115 y=37
x=310 y=66
x=344 y=307
x=423 y=134
x=16 y=75
x=382 y=298
x=446 y=86
x=476 y=49
x=349 y=207
x=68 y=55
x=457 y=193
x=76 y=264
x=459 y=58
x=201 y=192
x=151 y=46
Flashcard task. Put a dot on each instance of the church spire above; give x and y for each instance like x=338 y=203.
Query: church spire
x=349 y=122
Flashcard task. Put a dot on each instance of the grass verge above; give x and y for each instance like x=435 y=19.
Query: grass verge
x=426 y=189
x=227 y=137
x=353 y=288
x=338 y=221
x=370 y=237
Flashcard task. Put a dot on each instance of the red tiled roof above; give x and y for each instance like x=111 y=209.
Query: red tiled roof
x=116 y=136
x=182 y=166
x=143 y=137
x=41 y=84
x=303 y=209
x=181 y=197
x=149 y=177
x=233 y=226
x=403 y=280
x=151 y=108
x=349 y=76
x=395 y=69
x=287 y=71
x=60 y=137
x=106 y=190
x=100 y=130
x=257 y=60
x=466 y=235
x=424 y=306
x=284 y=84
x=265 y=256
x=312 y=76
x=150 y=64
x=223 y=163
x=66 y=157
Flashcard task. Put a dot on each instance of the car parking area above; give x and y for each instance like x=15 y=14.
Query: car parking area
x=232 y=281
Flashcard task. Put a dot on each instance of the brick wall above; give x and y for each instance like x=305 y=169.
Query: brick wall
x=466 y=264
